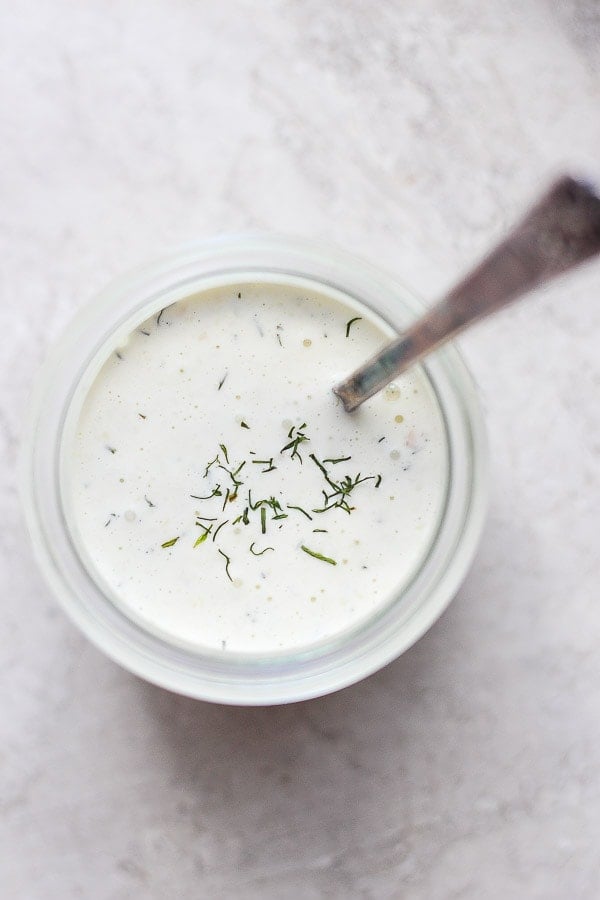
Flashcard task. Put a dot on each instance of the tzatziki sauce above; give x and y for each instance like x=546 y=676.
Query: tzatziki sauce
x=220 y=494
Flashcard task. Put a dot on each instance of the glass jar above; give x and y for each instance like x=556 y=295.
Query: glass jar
x=249 y=679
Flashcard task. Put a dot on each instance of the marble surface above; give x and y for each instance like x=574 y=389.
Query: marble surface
x=411 y=133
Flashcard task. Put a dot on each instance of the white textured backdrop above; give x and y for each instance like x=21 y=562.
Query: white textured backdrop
x=411 y=133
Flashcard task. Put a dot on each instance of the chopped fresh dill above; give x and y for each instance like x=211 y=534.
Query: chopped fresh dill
x=381 y=439
x=233 y=475
x=149 y=502
x=215 y=533
x=222 y=381
x=243 y=518
x=202 y=538
x=265 y=462
x=118 y=355
x=211 y=463
x=322 y=509
x=299 y=508
x=295 y=441
x=215 y=493
x=170 y=543
x=256 y=505
x=332 y=484
x=147 y=333
x=351 y=323
x=141 y=415
x=110 y=518
x=275 y=505
x=227 y=563
x=260 y=552
x=320 y=556
x=111 y=449
x=336 y=492
x=159 y=316
x=341 y=490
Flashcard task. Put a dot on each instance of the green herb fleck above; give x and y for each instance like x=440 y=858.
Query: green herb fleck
x=263 y=520
x=202 y=538
x=170 y=543
x=275 y=505
x=295 y=441
x=299 y=508
x=211 y=463
x=232 y=474
x=254 y=505
x=215 y=533
x=320 y=556
x=222 y=381
x=350 y=324
x=227 y=563
x=243 y=518
x=332 y=484
x=224 y=452
x=216 y=493
x=259 y=553
x=243 y=425
x=265 y=462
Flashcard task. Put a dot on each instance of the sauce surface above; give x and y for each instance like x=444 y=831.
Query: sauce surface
x=220 y=492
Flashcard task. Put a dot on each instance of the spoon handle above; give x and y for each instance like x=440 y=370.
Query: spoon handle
x=559 y=232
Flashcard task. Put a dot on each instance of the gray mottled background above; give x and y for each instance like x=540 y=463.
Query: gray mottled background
x=411 y=133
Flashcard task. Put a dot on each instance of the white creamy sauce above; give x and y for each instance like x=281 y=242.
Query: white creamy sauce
x=149 y=438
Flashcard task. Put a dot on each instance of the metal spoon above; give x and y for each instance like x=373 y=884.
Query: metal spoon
x=560 y=231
